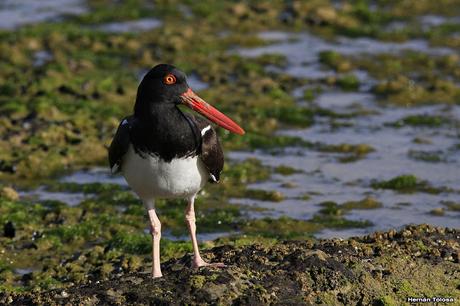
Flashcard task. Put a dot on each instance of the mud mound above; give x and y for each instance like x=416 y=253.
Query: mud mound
x=379 y=269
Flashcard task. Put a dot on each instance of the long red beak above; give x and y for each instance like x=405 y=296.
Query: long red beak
x=191 y=99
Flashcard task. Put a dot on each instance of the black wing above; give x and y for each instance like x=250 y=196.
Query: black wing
x=211 y=153
x=120 y=144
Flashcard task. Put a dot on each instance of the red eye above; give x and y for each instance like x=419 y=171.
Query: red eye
x=169 y=79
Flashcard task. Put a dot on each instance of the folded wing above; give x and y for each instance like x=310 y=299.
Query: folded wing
x=120 y=144
x=211 y=151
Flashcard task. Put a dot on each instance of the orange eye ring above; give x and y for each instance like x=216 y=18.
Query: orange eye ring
x=169 y=79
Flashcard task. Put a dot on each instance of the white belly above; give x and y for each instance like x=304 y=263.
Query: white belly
x=152 y=177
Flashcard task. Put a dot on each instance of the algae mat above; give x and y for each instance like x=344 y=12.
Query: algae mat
x=385 y=268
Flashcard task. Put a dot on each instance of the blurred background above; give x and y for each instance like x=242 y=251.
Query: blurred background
x=352 y=113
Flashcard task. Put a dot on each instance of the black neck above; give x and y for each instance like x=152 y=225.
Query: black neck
x=163 y=129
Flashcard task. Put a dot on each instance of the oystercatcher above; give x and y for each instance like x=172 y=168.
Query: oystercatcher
x=164 y=152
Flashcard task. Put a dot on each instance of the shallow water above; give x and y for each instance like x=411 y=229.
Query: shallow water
x=430 y=21
x=324 y=178
x=41 y=194
x=196 y=83
x=302 y=51
x=132 y=26
x=24 y=271
x=94 y=175
x=202 y=237
x=425 y=23
x=42 y=57
x=15 y=13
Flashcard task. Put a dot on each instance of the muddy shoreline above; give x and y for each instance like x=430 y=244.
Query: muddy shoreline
x=384 y=268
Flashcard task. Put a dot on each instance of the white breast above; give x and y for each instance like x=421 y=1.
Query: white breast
x=151 y=177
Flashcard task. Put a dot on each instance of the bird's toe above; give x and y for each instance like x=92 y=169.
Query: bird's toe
x=201 y=263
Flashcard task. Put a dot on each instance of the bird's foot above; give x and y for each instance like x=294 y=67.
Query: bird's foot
x=197 y=263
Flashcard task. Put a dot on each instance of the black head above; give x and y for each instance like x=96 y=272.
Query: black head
x=162 y=85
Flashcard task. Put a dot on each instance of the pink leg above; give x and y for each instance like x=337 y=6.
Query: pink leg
x=190 y=218
x=155 y=228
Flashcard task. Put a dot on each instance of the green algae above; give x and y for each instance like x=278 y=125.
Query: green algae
x=246 y=239
x=134 y=243
x=331 y=216
x=292 y=116
x=413 y=78
x=335 y=61
x=439 y=211
x=105 y=234
x=366 y=203
x=330 y=209
x=286 y=170
x=350 y=152
x=310 y=94
x=408 y=183
x=383 y=268
x=453 y=206
x=402 y=182
x=427 y=156
x=250 y=170
x=283 y=227
x=359 y=149
x=114 y=219
x=424 y=120
x=421 y=120
x=348 y=82
x=427 y=67
x=268 y=142
x=403 y=91
x=62 y=230
x=264 y=195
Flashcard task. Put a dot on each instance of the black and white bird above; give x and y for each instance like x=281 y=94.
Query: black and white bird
x=164 y=152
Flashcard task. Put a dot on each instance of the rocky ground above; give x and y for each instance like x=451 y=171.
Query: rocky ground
x=379 y=269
